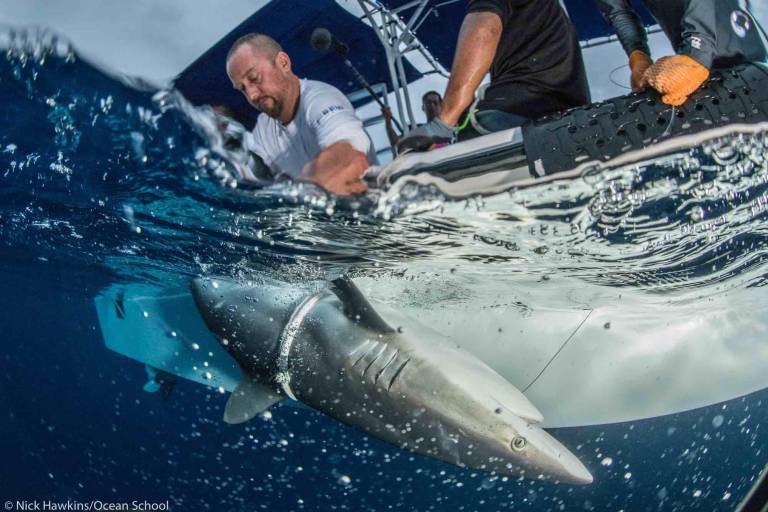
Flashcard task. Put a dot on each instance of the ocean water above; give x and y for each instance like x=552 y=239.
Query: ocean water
x=104 y=180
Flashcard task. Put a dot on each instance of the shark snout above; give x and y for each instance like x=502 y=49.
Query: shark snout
x=498 y=425
x=533 y=452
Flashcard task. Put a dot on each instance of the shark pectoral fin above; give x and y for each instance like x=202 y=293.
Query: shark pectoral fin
x=151 y=387
x=247 y=400
x=356 y=306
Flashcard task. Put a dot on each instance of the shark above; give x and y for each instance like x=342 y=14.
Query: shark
x=332 y=351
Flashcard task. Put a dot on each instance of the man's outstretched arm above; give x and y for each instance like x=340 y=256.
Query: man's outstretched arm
x=338 y=169
x=631 y=33
x=623 y=18
x=478 y=38
x=392 y=135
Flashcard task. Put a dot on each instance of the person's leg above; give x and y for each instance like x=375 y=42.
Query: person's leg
x=498 y=120
x=489 y=121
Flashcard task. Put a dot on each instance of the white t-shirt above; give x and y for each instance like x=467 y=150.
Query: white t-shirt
x=324 y=116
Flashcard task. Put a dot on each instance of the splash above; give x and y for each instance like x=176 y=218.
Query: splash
x=101 y=170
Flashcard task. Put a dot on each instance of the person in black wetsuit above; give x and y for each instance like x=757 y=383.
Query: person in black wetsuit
x=530 y=48
x=705 y=34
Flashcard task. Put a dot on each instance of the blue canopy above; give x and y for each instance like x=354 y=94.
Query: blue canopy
x=440 y=29
x=291 y=23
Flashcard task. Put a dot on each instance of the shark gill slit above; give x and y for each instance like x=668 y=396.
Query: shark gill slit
x=376 y=358
x=376 y=344
x=359 y=348
x=397 y=374
x=378 y=374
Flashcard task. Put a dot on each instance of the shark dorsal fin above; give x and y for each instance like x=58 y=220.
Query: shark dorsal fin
x=356 y=306
x=247 y=400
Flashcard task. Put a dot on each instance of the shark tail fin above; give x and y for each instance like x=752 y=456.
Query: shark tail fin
x=247 y=400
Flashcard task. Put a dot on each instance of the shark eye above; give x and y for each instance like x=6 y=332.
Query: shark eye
x=518 y=443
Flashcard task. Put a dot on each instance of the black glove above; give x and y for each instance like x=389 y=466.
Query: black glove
x=421 y=138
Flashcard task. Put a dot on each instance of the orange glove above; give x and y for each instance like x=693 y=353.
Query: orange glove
x=639 y=61
x=675 y=77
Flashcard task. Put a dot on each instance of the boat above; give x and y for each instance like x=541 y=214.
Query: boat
x=561 y=368
x=383 y=36
x=590 y=139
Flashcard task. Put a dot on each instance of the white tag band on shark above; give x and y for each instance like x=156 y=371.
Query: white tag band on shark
x=283 y=376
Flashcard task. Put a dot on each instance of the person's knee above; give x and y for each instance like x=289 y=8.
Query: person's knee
x=498 y=120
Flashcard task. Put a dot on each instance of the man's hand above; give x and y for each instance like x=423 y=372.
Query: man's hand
x=342 y=183
x=639 y=62
x=421 y=138
x=340 y=187
x=675 y=77
x=338 y=169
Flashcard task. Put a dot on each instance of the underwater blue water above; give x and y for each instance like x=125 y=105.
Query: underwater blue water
x=101 y=184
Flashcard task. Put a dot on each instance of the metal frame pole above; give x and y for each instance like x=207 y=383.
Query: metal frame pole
x=393 y=33
x=388 y=51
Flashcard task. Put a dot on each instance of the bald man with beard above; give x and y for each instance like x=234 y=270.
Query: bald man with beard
x=308 y=130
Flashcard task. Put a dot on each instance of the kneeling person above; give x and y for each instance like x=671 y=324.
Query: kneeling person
x=309 y=130
x=705 y=34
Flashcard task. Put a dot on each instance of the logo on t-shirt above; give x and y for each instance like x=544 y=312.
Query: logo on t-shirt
x=331 y=110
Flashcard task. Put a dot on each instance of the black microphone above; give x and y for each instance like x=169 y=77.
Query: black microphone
x=322 y=40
